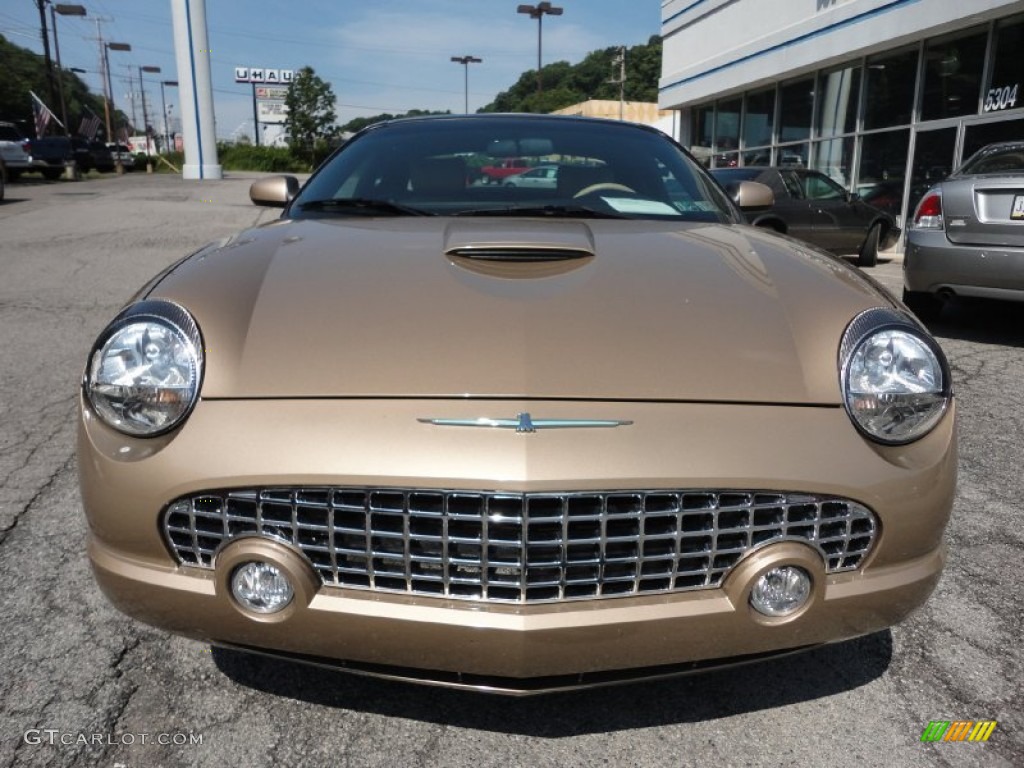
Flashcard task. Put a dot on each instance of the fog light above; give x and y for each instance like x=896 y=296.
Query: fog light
x=781 y=591
x=261 y=587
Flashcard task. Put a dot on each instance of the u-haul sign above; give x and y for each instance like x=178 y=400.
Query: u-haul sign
x=261 y=75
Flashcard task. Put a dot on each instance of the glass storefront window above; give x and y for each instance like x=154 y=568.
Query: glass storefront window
x=1006 y=88
x=760 y=156
x=701 y=132
x=838 y=93
x=980 y=135
x=890 y=89
x=796 y=103
x=759 y=118
x=835 y=159
x=726 y=160
x=727 y=125
x=952 y=78
x=793 y=156
x=883 y=166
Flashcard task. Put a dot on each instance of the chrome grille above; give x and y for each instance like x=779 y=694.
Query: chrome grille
x=520 y=547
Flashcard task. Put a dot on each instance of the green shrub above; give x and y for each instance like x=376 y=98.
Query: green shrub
x=246 y=157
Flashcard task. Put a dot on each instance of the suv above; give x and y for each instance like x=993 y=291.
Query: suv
x=14 y=150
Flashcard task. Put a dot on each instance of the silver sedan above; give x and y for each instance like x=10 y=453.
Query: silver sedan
x=967 y=235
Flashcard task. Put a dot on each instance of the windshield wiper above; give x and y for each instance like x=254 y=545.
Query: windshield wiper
x=554 y=211
x=362 y=205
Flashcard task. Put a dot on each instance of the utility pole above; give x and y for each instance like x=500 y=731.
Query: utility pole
x=620 y=60
x=46 y=50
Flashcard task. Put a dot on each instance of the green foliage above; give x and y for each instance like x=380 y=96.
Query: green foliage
x=565 y=84
x=25 y=71
x=246 y=157
x=311 y=114
x=352 y=126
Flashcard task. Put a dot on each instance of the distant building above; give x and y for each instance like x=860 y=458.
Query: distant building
x=886 y=96
x=644 y=112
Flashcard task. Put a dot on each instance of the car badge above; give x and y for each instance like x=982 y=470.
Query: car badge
x=525 y=424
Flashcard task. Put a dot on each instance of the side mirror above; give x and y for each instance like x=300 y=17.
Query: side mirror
x=752 y=195
x=274 y=191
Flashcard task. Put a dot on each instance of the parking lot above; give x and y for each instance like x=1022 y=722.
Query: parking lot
x=81 y=685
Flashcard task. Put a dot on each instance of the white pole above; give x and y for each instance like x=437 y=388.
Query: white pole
x=192 y=53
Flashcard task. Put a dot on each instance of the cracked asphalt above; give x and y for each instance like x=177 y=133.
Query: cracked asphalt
x=81 y=685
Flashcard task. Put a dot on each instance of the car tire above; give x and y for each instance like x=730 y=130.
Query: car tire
x=869 y=249
x=927 y=306
x=52 y=173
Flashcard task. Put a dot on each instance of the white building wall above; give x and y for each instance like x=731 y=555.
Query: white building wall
x=716 y=47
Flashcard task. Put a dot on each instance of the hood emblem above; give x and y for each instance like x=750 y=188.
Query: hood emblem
x=525 y=424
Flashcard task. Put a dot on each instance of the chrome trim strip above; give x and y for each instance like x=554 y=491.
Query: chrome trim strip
x=523 y=423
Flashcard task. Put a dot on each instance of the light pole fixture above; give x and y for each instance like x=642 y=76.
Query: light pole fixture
x=465 y=61
x=538 y=12
x=63 y=10
x=108 y=96
x=145 y=115
x=163 y=103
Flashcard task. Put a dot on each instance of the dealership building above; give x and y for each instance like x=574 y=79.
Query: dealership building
x=885 y=96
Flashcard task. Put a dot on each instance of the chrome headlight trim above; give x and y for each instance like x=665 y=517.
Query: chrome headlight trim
x=925 y=406
x=188 y=358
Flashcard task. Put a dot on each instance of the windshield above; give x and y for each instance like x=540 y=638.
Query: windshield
x=513 y=165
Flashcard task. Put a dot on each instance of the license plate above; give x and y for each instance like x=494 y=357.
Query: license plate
x=1017 y=211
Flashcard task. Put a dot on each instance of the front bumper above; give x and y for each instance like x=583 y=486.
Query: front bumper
x=126 y=482
x=933 y=264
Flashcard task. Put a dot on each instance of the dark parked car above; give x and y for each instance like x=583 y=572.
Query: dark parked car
x=102 y=157
x=812 y=207
x=52 y=153
x=966 y=237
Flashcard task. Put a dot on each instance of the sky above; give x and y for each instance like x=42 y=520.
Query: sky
x=378 y=55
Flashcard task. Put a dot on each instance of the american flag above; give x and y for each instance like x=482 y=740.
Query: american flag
x=43 y=115
x=90 y=125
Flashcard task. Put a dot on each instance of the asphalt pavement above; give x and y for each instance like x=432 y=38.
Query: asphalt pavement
x=81 y=685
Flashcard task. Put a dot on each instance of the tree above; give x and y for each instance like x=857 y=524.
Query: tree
x=565 y=84
x=311 y=114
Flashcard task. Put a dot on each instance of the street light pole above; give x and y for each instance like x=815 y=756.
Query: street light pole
x=537 y=12
x=63 y=10
x=109 y=95
x=163 y=103
x=145 y=114
x=465 y=61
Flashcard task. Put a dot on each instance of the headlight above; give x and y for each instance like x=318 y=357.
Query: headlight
x=895 y=379
x=145 y=369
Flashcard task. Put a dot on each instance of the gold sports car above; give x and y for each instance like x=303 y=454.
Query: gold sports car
x=515 y=439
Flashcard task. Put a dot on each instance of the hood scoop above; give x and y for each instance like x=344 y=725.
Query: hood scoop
x=519 y=253
x=519 y=248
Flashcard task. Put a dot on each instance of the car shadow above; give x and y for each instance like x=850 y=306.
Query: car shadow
x=981 y=321
x=815 y=674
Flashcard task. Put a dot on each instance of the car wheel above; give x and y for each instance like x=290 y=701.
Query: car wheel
x=927 y=306
x=3 y=185
x=52 y=174
x=869 y=250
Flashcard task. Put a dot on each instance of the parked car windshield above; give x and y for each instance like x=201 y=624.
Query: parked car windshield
x=461 y=166
x=994 y=161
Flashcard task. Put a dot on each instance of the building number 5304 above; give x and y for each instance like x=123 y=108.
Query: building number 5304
x=1001 y=98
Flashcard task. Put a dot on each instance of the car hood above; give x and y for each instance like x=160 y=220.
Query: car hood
x=518 y=308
